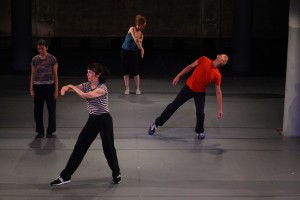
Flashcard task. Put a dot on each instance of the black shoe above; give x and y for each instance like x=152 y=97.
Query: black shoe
x=152 y=129
x=117 y=179
x=40 y=135
x=50 y=136
x=200 y=136
x=59 y=181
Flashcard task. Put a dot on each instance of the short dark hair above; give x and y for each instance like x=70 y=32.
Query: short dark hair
x=42 y=42
x=99 y=69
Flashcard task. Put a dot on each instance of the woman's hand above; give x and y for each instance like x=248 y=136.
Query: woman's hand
x=55 y=95
x=142 y=52
x=63 y=90
x=32 y=93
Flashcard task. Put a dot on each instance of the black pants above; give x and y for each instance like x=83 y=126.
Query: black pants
x=44 y=93
x=95 y=124
x=184 y=95
x=129 y=62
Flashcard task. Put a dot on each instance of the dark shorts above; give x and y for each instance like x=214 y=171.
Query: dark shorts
x=129 y=62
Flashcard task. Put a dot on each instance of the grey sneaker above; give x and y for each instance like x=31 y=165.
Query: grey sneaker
x=200 y=136
x=152 y=129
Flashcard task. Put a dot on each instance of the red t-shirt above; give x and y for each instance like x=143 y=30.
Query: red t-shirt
x=203 y=75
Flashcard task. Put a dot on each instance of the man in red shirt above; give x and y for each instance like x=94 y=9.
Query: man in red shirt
x=205 y=72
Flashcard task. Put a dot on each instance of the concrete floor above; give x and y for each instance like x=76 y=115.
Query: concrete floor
x=242 y=158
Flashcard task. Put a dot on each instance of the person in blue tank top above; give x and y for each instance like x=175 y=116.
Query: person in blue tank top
x=129 y=53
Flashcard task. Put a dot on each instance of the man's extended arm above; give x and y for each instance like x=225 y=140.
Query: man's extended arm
x=219 y=100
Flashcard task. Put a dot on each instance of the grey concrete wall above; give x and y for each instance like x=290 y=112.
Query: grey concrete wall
x=112 y=18
x=5 y=18
x=93 y=27
x=291 y=125
x=167 y=18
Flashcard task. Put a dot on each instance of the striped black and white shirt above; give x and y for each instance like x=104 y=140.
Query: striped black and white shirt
x=99 y=105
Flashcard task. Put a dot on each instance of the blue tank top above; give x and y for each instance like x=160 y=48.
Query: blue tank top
x=129 y=43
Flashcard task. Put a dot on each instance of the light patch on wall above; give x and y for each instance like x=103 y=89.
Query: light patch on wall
x=294 y=17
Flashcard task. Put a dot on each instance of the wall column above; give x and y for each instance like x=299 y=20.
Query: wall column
x=21 y=34
x=291 y=123
x=242 y=31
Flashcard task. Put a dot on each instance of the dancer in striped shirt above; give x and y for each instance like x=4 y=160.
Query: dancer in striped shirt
x=96 y=95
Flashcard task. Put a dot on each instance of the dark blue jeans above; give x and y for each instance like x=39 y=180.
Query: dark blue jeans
x=44 y=93
x=183 y=96
x=95 y=124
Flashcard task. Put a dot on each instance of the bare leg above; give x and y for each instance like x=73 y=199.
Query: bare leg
x=126 y=82
x=137 y=83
